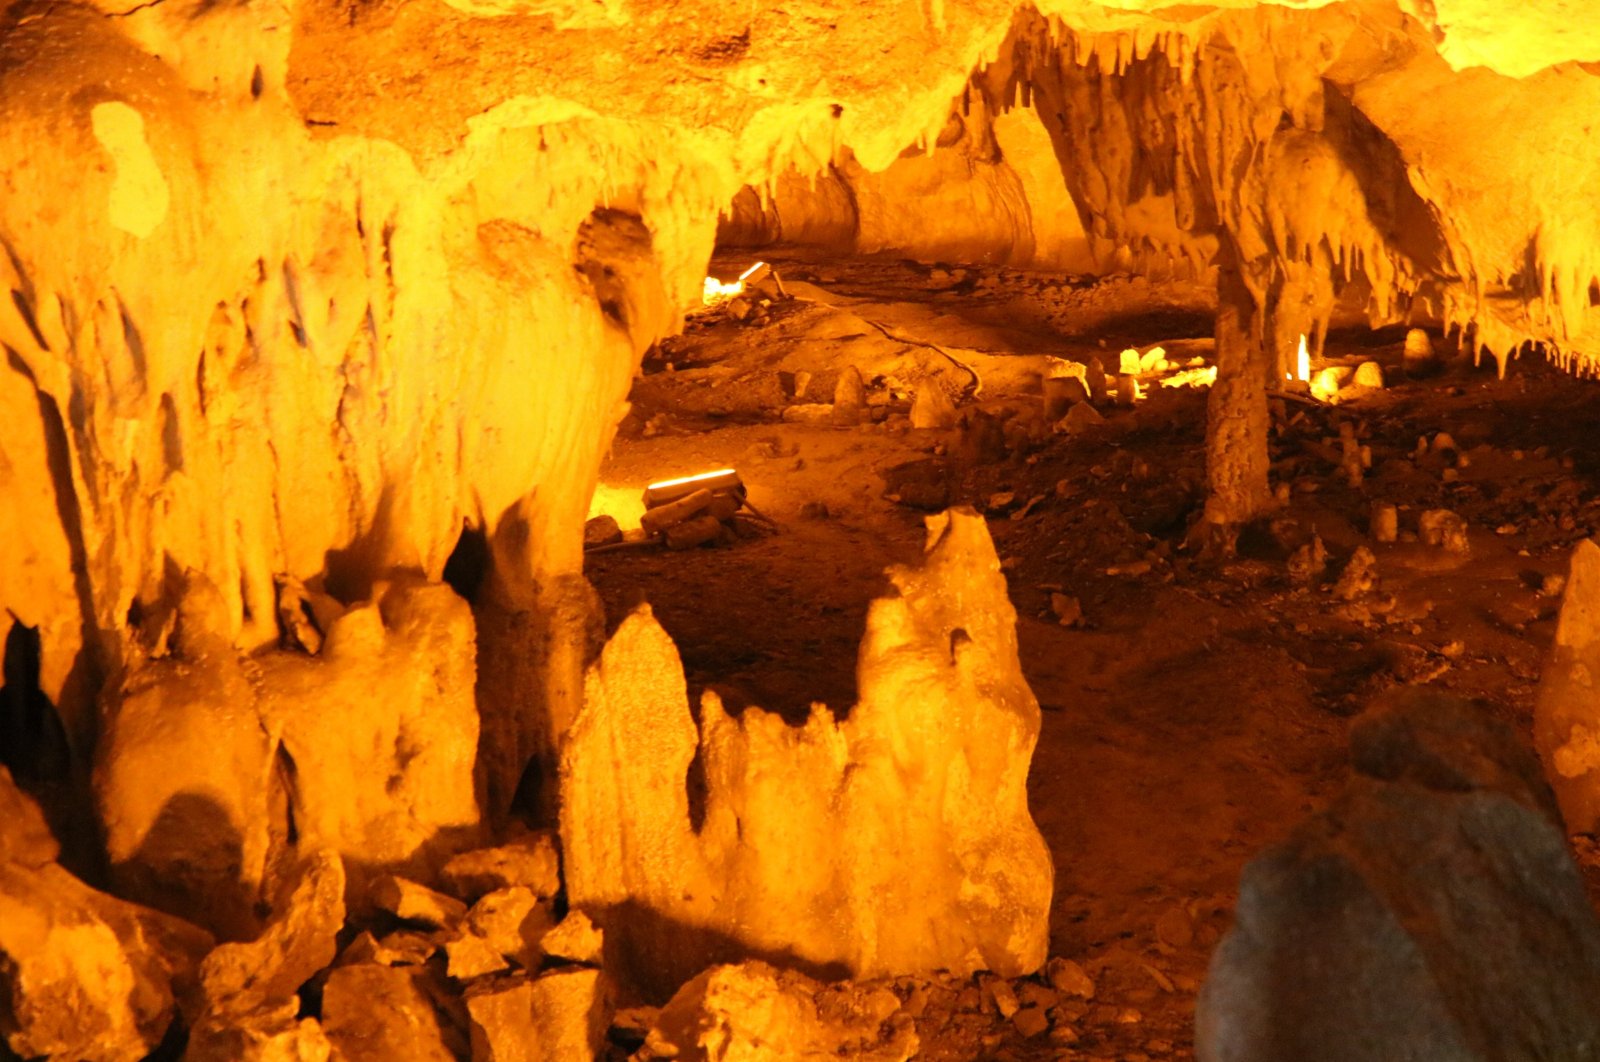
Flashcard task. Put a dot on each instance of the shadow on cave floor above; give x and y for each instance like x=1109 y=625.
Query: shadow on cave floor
x=1196 y=714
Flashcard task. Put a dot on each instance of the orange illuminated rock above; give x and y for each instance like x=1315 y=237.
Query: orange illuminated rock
x=559 y=1017
x=295 y=945
x=530 y=861
x=382 y=729
x=85 y=975
x=752 y=1013
x=895 y=841
x=369 y=747
x=186 y=779
x=375 y=1013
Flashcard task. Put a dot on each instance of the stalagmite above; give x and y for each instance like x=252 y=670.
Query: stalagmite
x=1236 y=421
x=896 y=840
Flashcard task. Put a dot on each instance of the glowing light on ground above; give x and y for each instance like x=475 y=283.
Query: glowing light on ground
x=1201 y=377
x=624 y=504
x=1303 y=362
x=715 y=291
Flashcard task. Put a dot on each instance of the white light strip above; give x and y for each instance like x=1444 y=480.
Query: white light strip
x=691 y=479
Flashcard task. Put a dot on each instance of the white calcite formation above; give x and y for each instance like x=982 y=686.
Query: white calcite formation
x=897 y=839
x=368 y=748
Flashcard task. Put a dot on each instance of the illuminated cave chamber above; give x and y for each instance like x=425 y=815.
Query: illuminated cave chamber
x=327 y=326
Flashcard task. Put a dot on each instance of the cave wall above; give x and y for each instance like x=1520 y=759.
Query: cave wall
x=987 y=189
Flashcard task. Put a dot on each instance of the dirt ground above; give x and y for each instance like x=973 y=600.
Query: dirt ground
x=1194 y=713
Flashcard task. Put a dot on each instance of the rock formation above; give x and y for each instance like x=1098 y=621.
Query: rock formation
x=367 y=749
x=82 y=974
x=752 y=1012
x=896 y=839
x=1432 y=911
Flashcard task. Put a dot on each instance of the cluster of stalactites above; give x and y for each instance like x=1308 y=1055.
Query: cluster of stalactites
x=1155 y=127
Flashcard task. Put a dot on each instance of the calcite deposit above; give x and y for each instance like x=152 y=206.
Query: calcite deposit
x=894 y=839
x=209 y=759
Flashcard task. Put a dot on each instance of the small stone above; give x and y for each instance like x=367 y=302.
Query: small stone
x=559 y=1017
x=807 y=413
x=1552 y=585
x=932 y=410
x=270 y=1032
x=1094 y=375
x=1000 y=995
x=405 y=947
x=1444 y=529
x=1443 y=443
x=1325 y=384
x=297 y=942
x=1307 y=563
x=576 y=939
x=1081 y=418
x=1175 y=928
x=849 y=398
x=1069 y=978
x=603 y=530
x=469 y=956
x=1127 y=390
x=1000 y=503
x=532 y=861
x=411 y=902
x=1031 y=1021
x=1033 y=994
x=1368 y=374
x=1384 y=522
x=383 y=1014
x=1418 y=350
x=513 y=921
x=1359 y=576
x=1068 y=610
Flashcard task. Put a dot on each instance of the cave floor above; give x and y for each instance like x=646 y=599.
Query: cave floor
x=1197 y=712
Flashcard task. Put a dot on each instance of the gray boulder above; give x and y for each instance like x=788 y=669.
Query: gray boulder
x=1432 y=912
